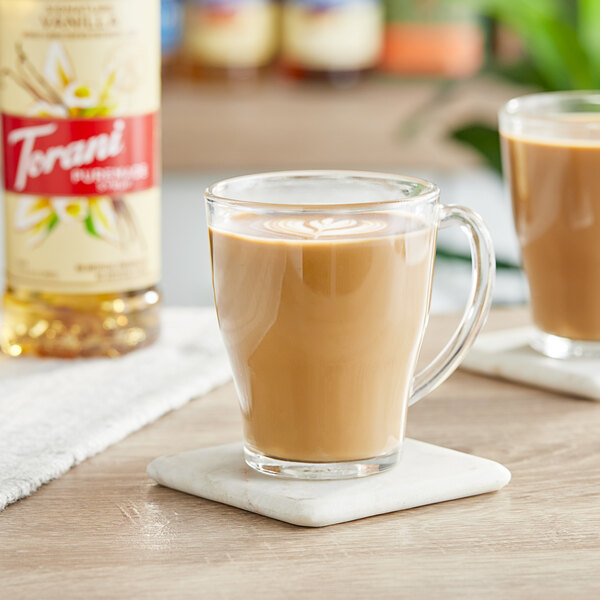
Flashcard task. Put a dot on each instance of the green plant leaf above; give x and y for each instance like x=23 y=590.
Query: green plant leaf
x=589 y=32
x=484 y=139
x=89 y=225
x=549 y=31
x=560 y=57
x=522 y=73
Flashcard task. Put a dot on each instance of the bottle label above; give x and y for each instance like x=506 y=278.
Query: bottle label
x=79 y=96
x=79 y=156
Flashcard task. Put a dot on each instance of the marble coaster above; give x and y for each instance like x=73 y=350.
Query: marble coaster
x=506 y=354
x=426 y=474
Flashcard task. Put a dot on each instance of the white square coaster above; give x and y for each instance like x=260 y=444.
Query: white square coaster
x=506 y=354
x=426 y=474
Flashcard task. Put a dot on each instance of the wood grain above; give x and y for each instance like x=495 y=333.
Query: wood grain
x=105 y=530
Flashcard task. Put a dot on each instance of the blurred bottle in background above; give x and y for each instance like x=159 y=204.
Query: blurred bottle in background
x=231 y=38
x=338 y=40
x=432 y=37
x=171 y=20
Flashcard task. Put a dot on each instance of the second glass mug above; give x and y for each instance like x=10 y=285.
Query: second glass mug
x=322 y=283
x=551 y=162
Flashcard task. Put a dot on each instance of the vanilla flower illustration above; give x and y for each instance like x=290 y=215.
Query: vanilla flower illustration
x=70 y=210
x=102 y=219
x=78 y=98
x=38 y=216
x=35 y=216
x=58 y=68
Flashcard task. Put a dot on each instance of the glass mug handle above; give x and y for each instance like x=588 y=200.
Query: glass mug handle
x=478 y=305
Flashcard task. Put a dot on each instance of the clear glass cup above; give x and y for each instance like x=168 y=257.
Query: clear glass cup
x=551 y=158
x=322 y=284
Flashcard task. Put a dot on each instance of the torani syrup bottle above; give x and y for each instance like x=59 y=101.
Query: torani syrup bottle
x=79 y=97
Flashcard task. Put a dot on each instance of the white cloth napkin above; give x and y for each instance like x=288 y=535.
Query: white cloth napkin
x=54 y=413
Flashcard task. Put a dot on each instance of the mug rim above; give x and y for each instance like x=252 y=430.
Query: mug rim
x=428 y=191
x=530 y=107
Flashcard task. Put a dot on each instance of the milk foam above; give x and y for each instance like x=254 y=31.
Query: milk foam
x=313 y=227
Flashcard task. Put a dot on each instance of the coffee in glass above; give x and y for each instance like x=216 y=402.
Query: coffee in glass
x=551 y=155
x=322 y=284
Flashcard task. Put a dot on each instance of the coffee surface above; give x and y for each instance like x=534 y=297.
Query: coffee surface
x=555 y=187
x=323 y=318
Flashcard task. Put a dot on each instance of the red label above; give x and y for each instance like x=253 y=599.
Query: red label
x=79 y=157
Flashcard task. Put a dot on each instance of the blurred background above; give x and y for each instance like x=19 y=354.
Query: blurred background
x=406 y=86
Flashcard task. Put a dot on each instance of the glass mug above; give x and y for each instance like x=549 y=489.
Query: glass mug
x=322 y=283
x=551 y=158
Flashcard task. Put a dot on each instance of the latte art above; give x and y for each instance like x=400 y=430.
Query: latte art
x=322 y=227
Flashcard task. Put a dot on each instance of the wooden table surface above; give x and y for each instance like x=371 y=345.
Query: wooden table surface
x=105 y=530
